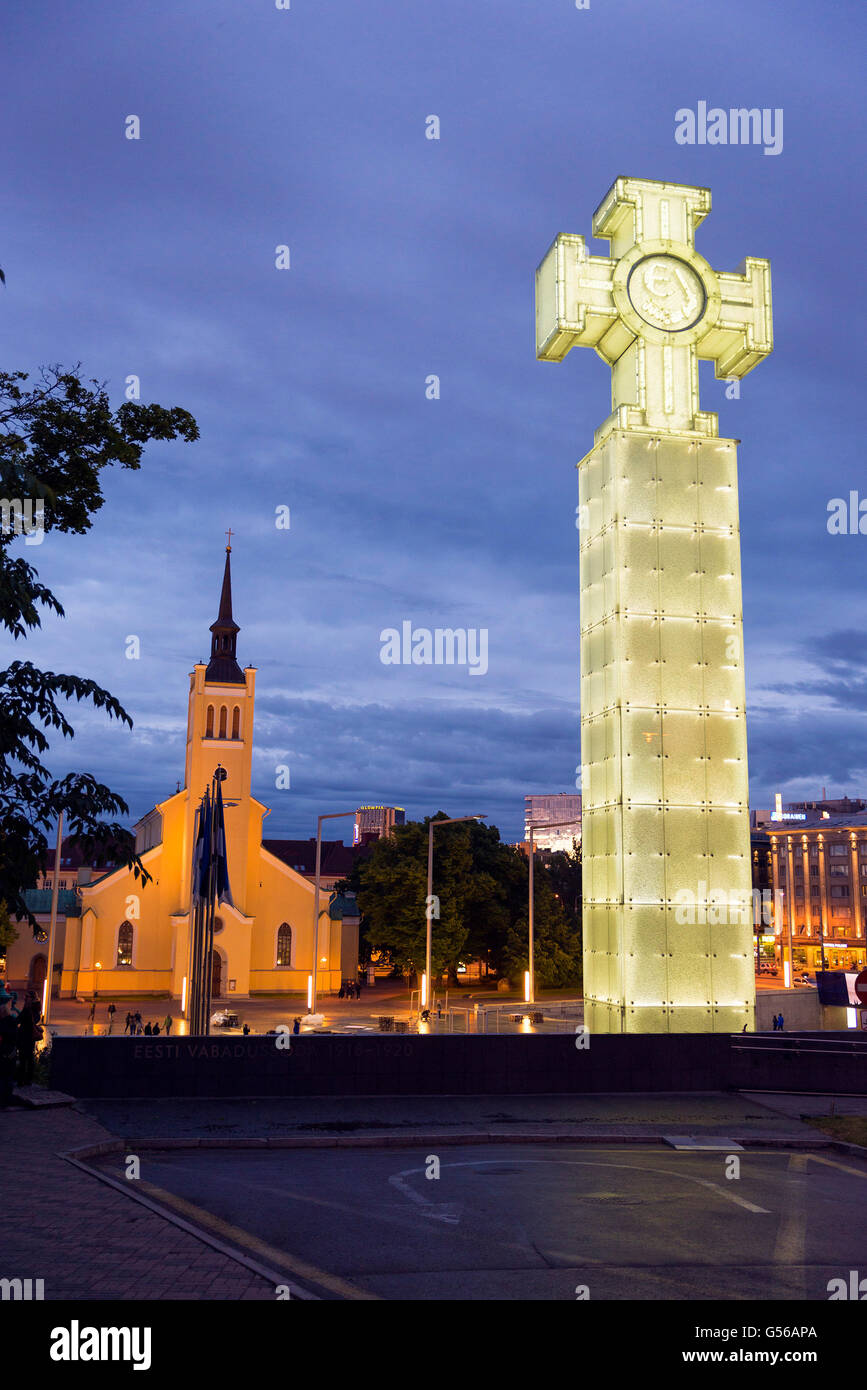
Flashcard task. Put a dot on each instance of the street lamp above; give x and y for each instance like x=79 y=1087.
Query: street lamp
x=52 y=930
x=432 y=825
x=311 y=986
x=530 y=990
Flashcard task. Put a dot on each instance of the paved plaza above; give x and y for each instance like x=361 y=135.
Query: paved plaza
x=471 y=1009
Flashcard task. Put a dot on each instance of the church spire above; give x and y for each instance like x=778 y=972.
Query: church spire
x=223 y=668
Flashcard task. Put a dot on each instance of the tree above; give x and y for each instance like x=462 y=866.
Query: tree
x=480 y=888
x=8 y=933
x=56 y=437
x=564 y=872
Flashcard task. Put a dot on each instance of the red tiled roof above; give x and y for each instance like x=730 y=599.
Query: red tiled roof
x=337 y=858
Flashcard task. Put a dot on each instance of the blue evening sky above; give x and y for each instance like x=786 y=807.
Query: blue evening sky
x=306 y=127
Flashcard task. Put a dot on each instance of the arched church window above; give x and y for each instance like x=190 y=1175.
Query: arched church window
x=284 y=945
x=223 y=718
x=236 y=722
x=209 y=722
x=124 y=943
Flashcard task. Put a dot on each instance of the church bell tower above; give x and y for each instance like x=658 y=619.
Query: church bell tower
x=220 y=713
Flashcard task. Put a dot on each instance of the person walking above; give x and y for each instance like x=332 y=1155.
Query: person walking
x=341 y=993
x=28 y=1035
x=782 y=1026
x=296 y=1026
x=111 y=1013
x=137 y=1021
x=127 y=1027
x=358 y=989
x=167 y=1024
x=8 y=1047
x=91 y=1018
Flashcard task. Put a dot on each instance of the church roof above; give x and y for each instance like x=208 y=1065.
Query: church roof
x=72 y=856
x=344 y=905
x=223 y=668
x=300 y=855
x=38 y=902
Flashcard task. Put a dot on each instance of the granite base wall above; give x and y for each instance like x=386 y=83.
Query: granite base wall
x=453 y=1065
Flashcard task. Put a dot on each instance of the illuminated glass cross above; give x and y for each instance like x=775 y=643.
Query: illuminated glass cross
x=653 y=307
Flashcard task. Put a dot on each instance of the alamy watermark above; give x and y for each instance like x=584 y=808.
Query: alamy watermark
x=847 y=517
x=717 y=907
x=736 y=126
x=444 y=646
x=23 y=517
x=22 y=1290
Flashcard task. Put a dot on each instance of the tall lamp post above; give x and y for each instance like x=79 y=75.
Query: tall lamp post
x=331 y=815
x=531 y=973
x=52 y=930
x=425 y=992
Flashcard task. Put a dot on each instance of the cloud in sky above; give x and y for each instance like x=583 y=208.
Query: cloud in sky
x=410 y=257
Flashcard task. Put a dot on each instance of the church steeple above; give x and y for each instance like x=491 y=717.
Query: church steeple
x=223 y=668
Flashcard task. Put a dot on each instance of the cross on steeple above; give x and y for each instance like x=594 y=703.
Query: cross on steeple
x=229 y=534
x=223 y=667
x=653 y=307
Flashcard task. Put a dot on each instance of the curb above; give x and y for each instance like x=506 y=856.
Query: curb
x=442 y=1139
x=271 y=1276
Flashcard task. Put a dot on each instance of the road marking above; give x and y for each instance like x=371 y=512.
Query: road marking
x=691 y=1143
x=789 y=1247
x=844 y=1167
x=398 y=1179
x=300 y=1268
x=449 y=1212
x=732 y=1196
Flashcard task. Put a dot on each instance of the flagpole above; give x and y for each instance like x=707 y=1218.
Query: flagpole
x=191 y=944
x=197 y=982
x=207 y=962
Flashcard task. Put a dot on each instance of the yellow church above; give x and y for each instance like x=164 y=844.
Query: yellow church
x=133 y=938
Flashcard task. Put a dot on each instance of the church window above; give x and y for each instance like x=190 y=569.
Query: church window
x=209 y=723
x=124 y=943
x=223 y=718
x=236 y=722
x=284 y=945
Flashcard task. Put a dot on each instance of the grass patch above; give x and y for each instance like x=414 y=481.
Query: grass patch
x=851 y=1129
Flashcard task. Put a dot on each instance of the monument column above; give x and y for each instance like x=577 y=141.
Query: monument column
x=667 y=871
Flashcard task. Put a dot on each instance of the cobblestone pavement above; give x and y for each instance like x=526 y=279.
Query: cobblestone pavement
x=88 y=1241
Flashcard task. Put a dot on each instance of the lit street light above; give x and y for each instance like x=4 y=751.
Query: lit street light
x=311 y=984
x=432 y=825
x=530 y=990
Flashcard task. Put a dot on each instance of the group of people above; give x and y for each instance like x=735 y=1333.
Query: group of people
x=150 y=1030
x=20 y=1031
x=132 y=1025
x=778 y=1023
x=350 y=989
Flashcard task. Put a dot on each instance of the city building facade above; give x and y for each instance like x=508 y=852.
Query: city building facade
x=559 y=808
x=819 y=867
x=376 y=821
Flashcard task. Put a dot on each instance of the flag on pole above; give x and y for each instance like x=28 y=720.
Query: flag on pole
x=223 y=890
x=202 y=853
